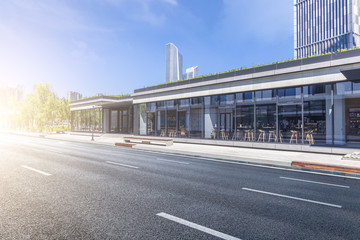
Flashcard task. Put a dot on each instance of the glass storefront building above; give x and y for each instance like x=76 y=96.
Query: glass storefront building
x=314 y=102
x=102 y=114
x=317 y=114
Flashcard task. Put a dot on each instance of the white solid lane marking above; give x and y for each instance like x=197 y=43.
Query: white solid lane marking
x=123 y=165
x=322 y=183
x=166 y=160
x=197 y=227
x=35 y=170
x=295 y=198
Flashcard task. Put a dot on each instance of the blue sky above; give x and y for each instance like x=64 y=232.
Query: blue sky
x=116 y=46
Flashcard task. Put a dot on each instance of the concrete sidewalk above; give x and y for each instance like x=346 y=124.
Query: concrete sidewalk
x=272 y=157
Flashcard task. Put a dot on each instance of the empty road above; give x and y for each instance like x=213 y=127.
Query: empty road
x=51 y=189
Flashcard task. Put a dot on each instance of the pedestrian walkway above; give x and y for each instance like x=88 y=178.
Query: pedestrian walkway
x=264 y=156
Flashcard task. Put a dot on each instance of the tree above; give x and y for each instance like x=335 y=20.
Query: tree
x=42 y=109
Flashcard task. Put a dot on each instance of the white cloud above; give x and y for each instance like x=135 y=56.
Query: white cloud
x=148 y=11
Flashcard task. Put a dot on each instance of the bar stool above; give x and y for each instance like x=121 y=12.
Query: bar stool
x=224 y=135
x=261 y=135
x=213 y=134
x=272 y=135
x=294 y=136
x=249 y=135
x=280 y=136
x=309 y=137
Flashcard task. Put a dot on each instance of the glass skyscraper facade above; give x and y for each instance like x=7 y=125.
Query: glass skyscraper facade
x=323 y=26
x=174 y=64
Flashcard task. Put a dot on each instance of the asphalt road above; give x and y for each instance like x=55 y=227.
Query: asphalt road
x=52 y=189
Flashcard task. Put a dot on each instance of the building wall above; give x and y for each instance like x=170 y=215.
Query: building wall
x=322 y=26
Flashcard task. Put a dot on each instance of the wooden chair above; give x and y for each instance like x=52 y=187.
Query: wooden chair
x=224 y=135
x=261 y=135
x=309 y=137
x=294 y=136
x=249 y=135
x=213 y=134
x=272 y=135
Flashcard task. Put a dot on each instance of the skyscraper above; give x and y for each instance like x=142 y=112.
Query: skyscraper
x=174 y=63
x=191 y=72
x=322 y=26
x=73 y=96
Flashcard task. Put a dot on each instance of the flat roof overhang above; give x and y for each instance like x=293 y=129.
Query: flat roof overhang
x=352 y=75
x=114 y=105
x=101 y=103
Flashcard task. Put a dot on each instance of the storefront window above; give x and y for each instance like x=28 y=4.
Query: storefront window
x=290 y=124
x=245 y=123
x=214 y=100
x=161 y=121
x=151 y=108
x=196 y=117
x=289 y=94
x=265 y=121
x=142 y=116
x=171 y=123
x=183 y=122
x=114 y=121
x=196 y=101
x=183 y=103
x=211 y=119
x=150 y=124
x=245 y=98
x=347 y=113
x=160 y=104
x=265 y=95
x=227 y=99
x=196 y=122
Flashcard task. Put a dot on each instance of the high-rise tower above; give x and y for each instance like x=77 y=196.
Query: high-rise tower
x=174 y=63
x=322 y=26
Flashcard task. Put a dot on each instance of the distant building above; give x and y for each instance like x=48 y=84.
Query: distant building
x=73 y=96
x=191 y=72
x=9 y=97
x=174 y=64
x=325 y=26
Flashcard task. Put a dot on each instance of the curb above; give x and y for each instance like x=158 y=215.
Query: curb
x=326 y=167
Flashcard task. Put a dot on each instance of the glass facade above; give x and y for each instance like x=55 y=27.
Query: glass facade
x=322 y=114
x=87 y=120
x=102 y=120
x=323 y=26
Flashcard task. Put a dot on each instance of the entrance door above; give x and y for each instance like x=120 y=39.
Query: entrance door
x=290 y=124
